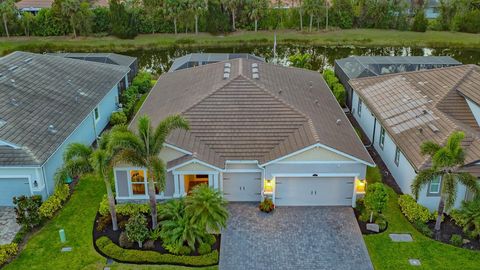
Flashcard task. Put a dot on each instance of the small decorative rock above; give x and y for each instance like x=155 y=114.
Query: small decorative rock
x=466 y=241
x=66 y=249
x=414 y=262
x=373 y=227
x=401 y=237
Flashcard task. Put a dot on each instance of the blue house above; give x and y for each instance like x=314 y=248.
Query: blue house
x=46 y=103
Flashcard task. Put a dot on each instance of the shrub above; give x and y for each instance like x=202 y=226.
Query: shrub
x=21 y=234
x=127 y=209
x=124 y=242
x=55 y=202
x=376 y=197
x=210 y=239
x=468 y=217
x=204 y=248
x=414 y=211
x=136 y=229
x=420 y=23
x=266 y=205
x=155 y=234
x=7 y=252
x=118 y=118
x=141 y=256
x=381 y=222
x=143 y=81
x=27 y=210
x=456 y=240
x=374 y=175
x=330 y=77
x=184 y=250
x=340 y=94
x=423 y=228
x=103 y=222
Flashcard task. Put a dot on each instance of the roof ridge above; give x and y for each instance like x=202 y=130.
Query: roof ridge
x=309 y=120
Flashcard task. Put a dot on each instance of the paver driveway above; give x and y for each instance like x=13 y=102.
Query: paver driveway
x=8 y=225
x=292 y=238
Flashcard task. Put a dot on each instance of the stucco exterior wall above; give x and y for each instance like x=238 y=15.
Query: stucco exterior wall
x=357 y=169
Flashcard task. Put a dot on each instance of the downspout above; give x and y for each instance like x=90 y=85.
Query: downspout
x=95 y=126
x=373 y=135
x=45 y=181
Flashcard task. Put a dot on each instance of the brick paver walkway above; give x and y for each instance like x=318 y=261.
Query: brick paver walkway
x=8 y=225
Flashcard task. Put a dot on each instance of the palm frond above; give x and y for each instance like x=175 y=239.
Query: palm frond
x=100 y=161
x=449 y=190
x=422 y=179
x=469 y=181
x=129 y=156
x=76 y=167
x=159 y=172
x=165 y=127
x=125 y=140
x=77 y=151
x=429 y=148
x=144 y=129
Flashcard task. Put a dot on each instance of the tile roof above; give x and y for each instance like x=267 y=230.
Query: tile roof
x=241 y=118
x=425 y=105
x=38 y=91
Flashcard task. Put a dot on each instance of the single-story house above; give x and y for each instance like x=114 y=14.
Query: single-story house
x=107 y=58
x=399 y=112
x=432 y=9
x=34 y=6
x=198 y=59
x=46 y=103
x=256 y=129
x=368 y=66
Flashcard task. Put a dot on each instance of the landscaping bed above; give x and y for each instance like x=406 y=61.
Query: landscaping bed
x=449 y=229
x=363 y=225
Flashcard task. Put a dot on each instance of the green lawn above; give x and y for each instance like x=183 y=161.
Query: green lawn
x=76 y=218
x=361 y=37
x=386 y=254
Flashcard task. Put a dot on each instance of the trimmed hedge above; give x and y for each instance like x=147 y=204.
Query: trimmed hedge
x=127 y=209
x=413 y=211
x=335 y=86
x=7 y=252
x=115 y=252
x=54 y=202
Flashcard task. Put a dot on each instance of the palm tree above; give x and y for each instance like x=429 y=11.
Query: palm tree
x=174 y=9
x=232 y=5
x=446 y=162
x=197 y=7
x=313 y=8
x=7 y=9
x=257 y=8
x=173 y=209
x=181 y=230
x=206 y=206
x=142 y=149
x=70 y=8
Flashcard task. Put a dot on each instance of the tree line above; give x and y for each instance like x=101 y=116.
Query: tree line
x=127 y=18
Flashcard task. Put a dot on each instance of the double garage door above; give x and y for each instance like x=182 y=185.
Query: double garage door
x=304 y=191
x=13 y=187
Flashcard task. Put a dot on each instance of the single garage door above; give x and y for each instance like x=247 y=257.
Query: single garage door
x=242 y=187
x=313 y=191
x=11 y=187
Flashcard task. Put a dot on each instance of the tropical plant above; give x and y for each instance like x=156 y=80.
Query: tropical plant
x=174 y=9
x=172 y=209
x=314 y=9
x=27 y=210
x=69 y=9
x=232 y=5
x=257 y=10
x=7 y=9
x=136 y=229
x=123 y=23
x=142 y=149
x=376 y=198
x=27 y=20
x=414 y=211
x=446 y=163
x=182 y=230
x=468 y=217
x=420 y=22
x=266 y=205
x=300 y=60
x=207 y=208
x=197 y=7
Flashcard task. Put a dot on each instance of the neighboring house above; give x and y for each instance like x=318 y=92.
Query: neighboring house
x=367 y=66
x=46 y=103
x=432 y=9
x=107 y=58
x=198 y=59
x=399 y=112
x=34 y=6
x=255 y=129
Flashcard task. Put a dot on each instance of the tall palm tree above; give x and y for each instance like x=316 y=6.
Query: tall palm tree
x=7 y=10
x=142 y=149
x=232 y=5
x=174 y=9
x=446 y=163
x=257 y=8
x=207 y=208
x=197 y=7
x=313 y=9
x=70 y=8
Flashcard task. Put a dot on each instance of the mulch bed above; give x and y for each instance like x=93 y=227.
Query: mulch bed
x=363 y=225
x=449 y=228
x=115 y=235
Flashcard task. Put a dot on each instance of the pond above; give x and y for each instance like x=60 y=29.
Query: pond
x=159 y=60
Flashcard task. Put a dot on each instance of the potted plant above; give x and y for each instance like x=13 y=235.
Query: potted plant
x=266 y=205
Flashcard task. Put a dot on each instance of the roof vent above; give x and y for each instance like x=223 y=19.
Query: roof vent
x=255 y=76
x=254 y=65
x=310 y=83
x=12 y=68
x=226 y=75
x=28 y=60
x=433 y=128
x=316 y=101
x=226 y=70
x=2 y=122
x=52 y=129
x=280 y=92
x=338 y=122
x=227 y=65
x=81 y=93
x=14 y=102
x=255 y=70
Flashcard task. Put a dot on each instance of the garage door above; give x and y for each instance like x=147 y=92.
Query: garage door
x=242 y=187
x=313 y=191
x=11 y=187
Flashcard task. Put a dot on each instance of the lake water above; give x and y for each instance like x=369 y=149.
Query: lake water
x=160 y=60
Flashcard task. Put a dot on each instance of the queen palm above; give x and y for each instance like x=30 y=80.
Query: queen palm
x=207 y=208
x=142 y=149
x=446 y=163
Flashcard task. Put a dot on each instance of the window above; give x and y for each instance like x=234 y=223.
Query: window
x=359 y=107
x=96 y=113
x=381 y=141
x=138 y=183
x=397 y=155
x=434 y=187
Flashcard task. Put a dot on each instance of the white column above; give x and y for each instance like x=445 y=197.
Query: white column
x=176 y=190
x=215 y=181
x=182 y=185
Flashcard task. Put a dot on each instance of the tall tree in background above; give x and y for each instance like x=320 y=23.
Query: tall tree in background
x=232 y=6
x=313 y=9
x=142 y=149
x=446 y=164
x=153 y=8
x=27 y=21
x=70 y=8
x=122 y=20
x=7 y=10
x=342 y=13
x=198 y=7
x=174 y=9
x=300 y=12
x=257 y=10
